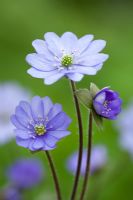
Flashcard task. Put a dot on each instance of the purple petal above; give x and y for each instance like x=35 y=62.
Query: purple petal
x=66 y=123
x=59 y=134
x=22 y=142
x=16 y=123
x=37 y=107
x=57 y=121
x=98 y=107
x=22 y=116
x=27 y=108
x=23 y=134
x=47 y=105
x=84 y=42
x=38 y=144
x=50 y=140
x=100 y=97
x=57 y=108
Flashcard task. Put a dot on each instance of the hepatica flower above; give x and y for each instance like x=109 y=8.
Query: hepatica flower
x=67 y=56
x=40 y=124
x=98 y=160
x=107 y=103
x=25 y=173
x=10 y=95
x=125 y=127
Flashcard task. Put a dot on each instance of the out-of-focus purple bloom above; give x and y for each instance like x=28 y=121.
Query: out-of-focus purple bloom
x=98 y=160
x=11 y=193
x=40 y=125
x=67 y=56
x=10 y=95
x=125 y=127
x=107 y=103
x=25 y=173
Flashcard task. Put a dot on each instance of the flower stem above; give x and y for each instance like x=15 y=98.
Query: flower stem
x=57 y=188
x=87 y=171
x=80 y=141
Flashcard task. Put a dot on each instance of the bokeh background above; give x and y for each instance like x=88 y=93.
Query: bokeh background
x=22 y=21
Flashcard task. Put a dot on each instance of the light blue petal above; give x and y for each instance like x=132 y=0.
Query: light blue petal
x=53 y=43
x=86 y=70
x=52 y=79
x=75 y=76
x=84 y=42
x=93 y=60
x=50 y=140
x=39 y=62
x=40 y=74
x=69 y=42
x=95 y=47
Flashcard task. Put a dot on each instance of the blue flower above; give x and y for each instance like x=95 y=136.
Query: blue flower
x=40 y=125
x=25 y=173
x=98 y=160
x=107 y=103
x=66 y=56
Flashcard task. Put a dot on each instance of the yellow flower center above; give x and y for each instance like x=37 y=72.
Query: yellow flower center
x=40 y=129
x=67 y=60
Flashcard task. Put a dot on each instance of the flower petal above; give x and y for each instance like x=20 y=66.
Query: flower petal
x=38 y=143
x=85 y=70
x=75 y=76
x=16 y=123
x=53 y=43
x=23 y=134
x=59 y=134
x=57 y=121
x=57 y=108
x=50 y=140
x=40 y=74
x=69 y=41
x=39 y=62
x=22 y=142
x=41 y=48
x=47 y=105
x=37 y=107
x=84 y=42
x=95 y=47
x=52 y=79
x=93 y=60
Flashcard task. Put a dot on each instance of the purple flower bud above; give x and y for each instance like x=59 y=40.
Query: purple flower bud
x=107 y=103
x=25 y=173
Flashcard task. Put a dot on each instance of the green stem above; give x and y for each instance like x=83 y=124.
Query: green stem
x=77 y=175
x=87 y=171
x=56 y=182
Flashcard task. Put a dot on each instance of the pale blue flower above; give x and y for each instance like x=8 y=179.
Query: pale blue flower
x=66 y=56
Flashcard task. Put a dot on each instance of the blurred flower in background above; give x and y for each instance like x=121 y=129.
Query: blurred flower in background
x=98 y=160
x=10 y=95
x=25 y=173
x=125 y=127
x=66 y=56
x=10 y=193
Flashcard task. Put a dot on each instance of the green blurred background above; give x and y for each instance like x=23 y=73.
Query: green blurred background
x=22 y=21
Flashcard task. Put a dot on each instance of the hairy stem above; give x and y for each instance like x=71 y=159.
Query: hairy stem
x=54 y=175
x=87 y=170
x=77 y=175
